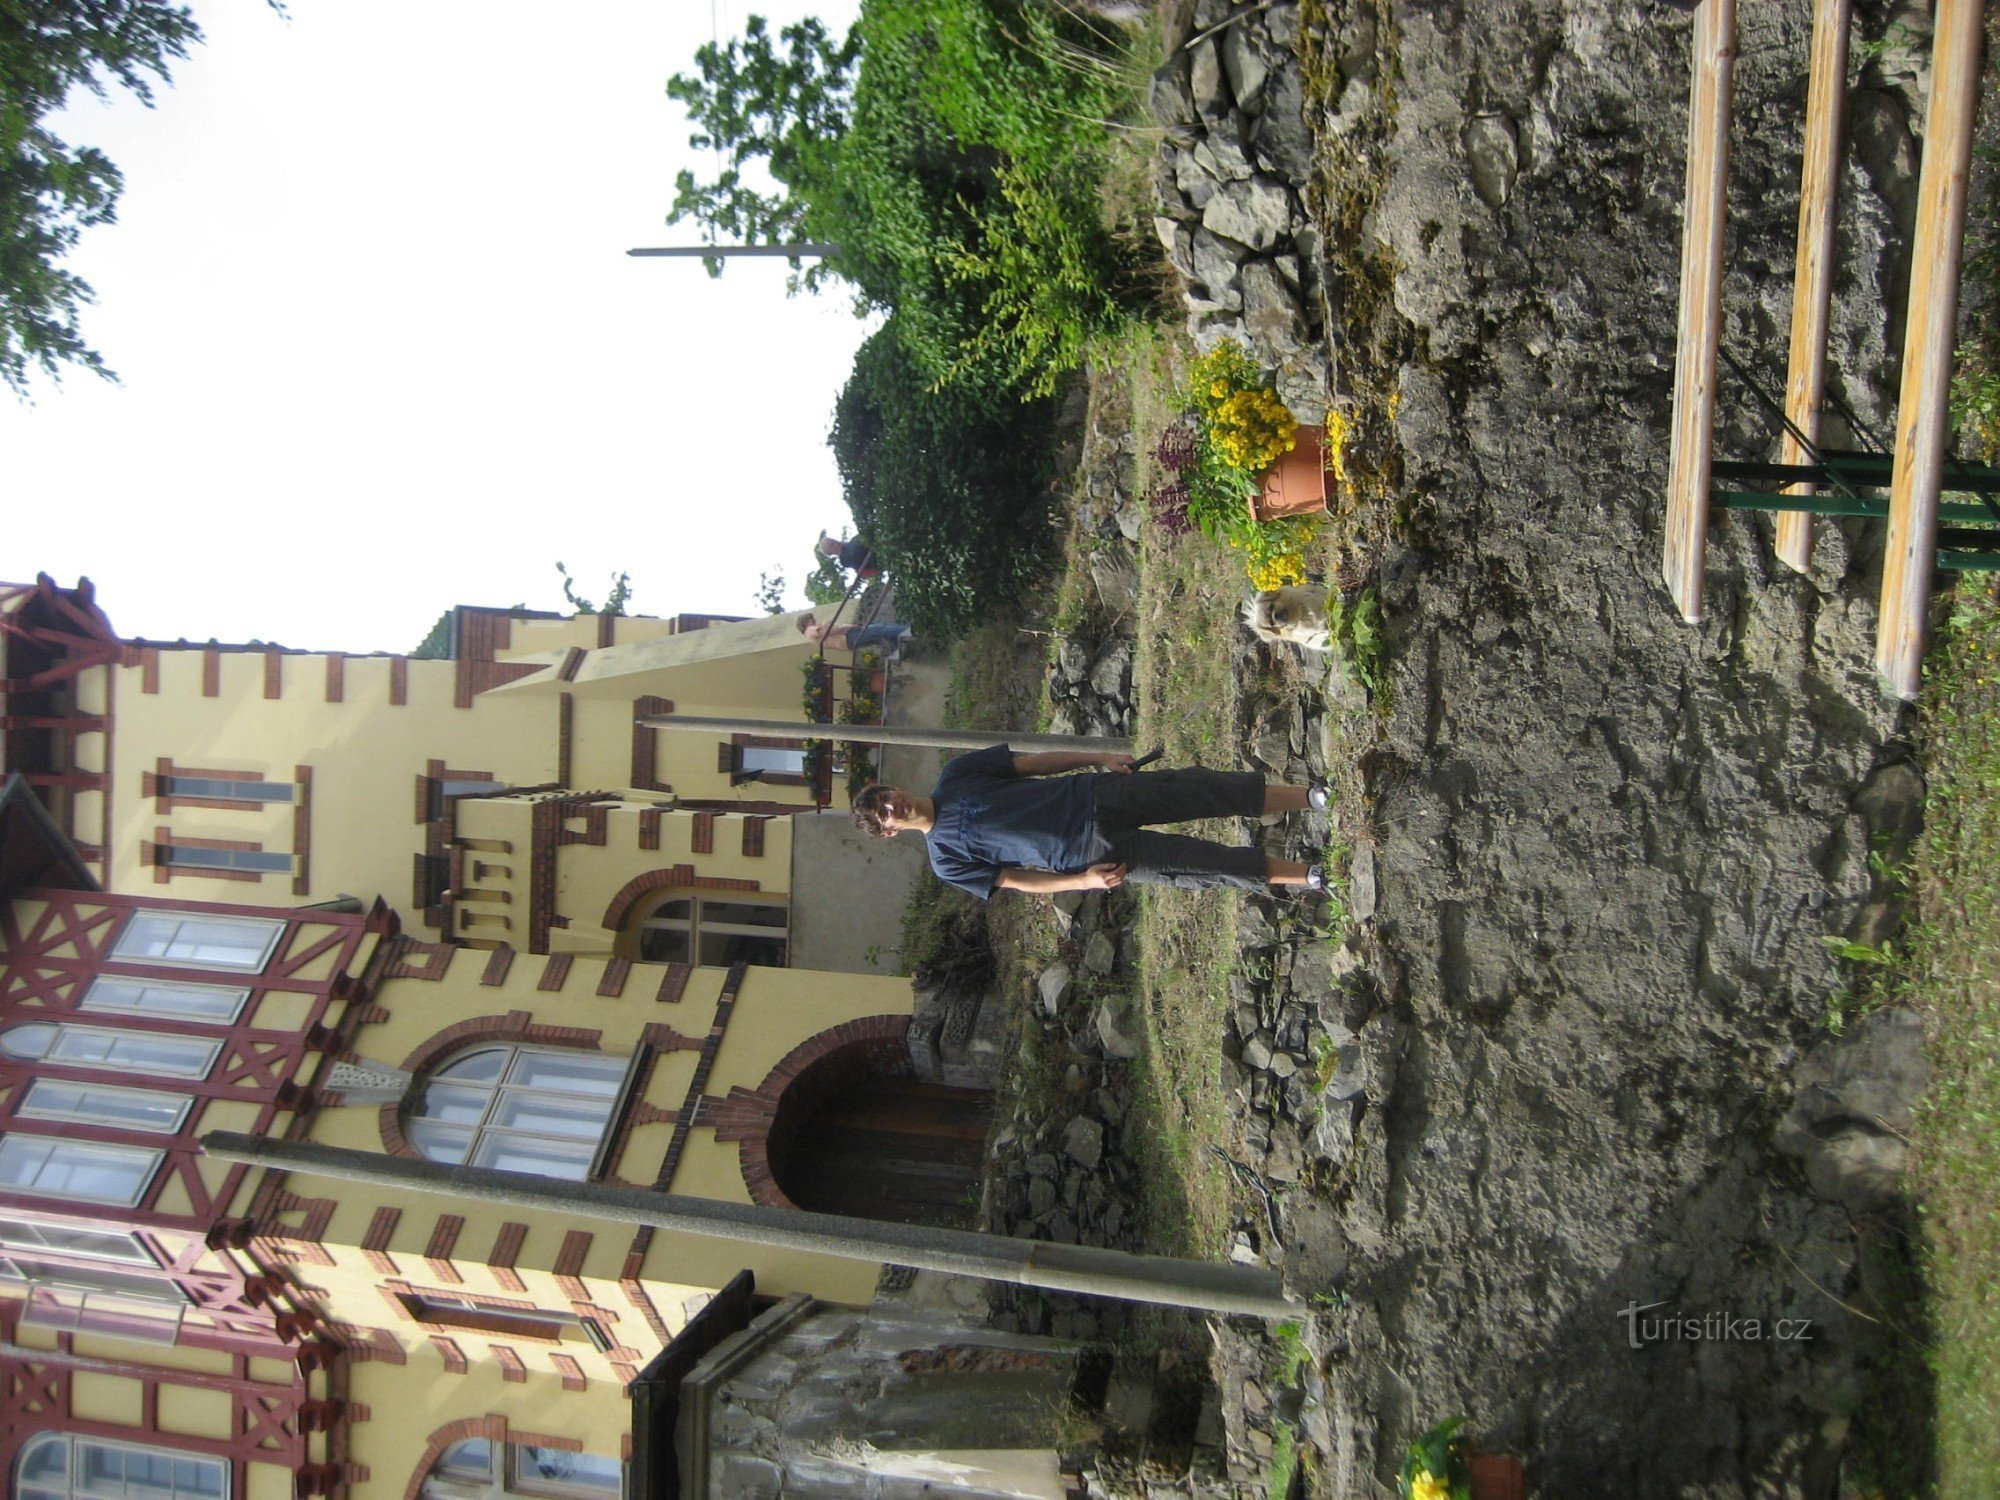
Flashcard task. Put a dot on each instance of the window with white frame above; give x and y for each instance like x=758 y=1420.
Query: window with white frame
x=103 y=1104
x=34 y=1235
x=77 y=1171
x=479 y=1469
x=204 y=941
x=153 y=1053
x=214 y=1004
x=98 y=1299
x=518 y=1109
x=70 y=1466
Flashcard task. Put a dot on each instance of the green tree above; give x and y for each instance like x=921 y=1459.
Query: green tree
x=50 y=191
x=436 y=645
x=614 y=602
x=950 y=486
x=771 y=591
x=826 y=583
x=782 y=104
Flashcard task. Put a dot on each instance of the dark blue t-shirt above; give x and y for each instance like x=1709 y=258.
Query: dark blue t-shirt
x=990 y=818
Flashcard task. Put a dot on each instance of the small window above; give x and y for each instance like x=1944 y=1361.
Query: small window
x=774 y=759
x=193 y=857
x=102 y=1104
x=83 y=1171
x=482 y=1470
x=242 y=944
x=153 y=1053
x=553 y=1471
x=749 y=758
x=225 y=789
x=715 y=932
x=214 y=1004
x=68 y=1466
x=476 y=1315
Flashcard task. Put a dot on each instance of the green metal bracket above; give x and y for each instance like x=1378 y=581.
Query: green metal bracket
x=1842 y=505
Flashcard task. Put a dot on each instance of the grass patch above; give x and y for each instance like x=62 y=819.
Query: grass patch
x=995 y=678
x=1953 y=979
x=1284 y=1462
x=1184 y=682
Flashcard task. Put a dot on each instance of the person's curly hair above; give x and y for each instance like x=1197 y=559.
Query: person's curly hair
x=866 y=810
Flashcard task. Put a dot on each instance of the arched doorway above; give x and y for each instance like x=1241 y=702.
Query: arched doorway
x=858 y=1133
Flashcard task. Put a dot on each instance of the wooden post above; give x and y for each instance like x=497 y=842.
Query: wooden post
x=1922 y=415
x=1812 y=274
x=1700 y=330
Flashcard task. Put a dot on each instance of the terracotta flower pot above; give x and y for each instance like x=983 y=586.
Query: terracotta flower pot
x=1496 y=1477
x=1296 y=483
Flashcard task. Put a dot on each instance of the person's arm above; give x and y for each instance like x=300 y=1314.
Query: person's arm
x=1105 y=877
x=1051 y=762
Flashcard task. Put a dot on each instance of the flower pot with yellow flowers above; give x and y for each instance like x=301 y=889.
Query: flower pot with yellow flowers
x=1245 y=473
x=1442 y=1465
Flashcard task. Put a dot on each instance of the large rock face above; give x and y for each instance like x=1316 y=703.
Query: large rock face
x=1569 y=1139
x=1608 y=845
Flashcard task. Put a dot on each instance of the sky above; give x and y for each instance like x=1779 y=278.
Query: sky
x=381 y=350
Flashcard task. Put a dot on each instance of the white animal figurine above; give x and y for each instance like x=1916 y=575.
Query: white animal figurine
x=1296 y=614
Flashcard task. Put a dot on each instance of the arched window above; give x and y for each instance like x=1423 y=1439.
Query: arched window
x=66 y=1466
x=478 y=1469
x=714 y=929
x=152 y=1053
x=518 y=1109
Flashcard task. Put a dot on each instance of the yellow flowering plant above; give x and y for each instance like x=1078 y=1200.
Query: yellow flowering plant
x=1235 y=428
x=1436 y=1467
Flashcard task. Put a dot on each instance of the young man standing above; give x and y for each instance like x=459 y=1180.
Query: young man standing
x=1001 y=821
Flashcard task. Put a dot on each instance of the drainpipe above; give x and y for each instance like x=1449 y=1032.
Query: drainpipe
x=882 y=734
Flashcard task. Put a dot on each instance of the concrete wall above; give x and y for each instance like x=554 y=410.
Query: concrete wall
x=849 y=893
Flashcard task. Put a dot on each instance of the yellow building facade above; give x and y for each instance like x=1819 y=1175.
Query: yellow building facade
x=255 y=773
x=463 y=909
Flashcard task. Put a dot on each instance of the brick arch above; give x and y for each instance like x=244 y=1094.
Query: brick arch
x=873 y=1045
x=493 y=1429
x=517 y=1027
x=639 y=887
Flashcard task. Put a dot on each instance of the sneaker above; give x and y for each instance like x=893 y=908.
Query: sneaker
x=1319 y=796
x=1316 y=877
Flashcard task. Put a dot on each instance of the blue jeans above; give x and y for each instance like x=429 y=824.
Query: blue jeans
x=887 y=634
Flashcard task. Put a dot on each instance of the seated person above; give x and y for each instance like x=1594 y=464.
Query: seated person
x=891 y=635
x=854 y=553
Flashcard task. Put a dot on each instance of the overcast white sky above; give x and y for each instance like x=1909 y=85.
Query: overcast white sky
x=382 y=350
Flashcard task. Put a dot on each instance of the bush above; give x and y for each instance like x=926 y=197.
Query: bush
x=951 y=151
x=965 y=199
x=950 y=485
